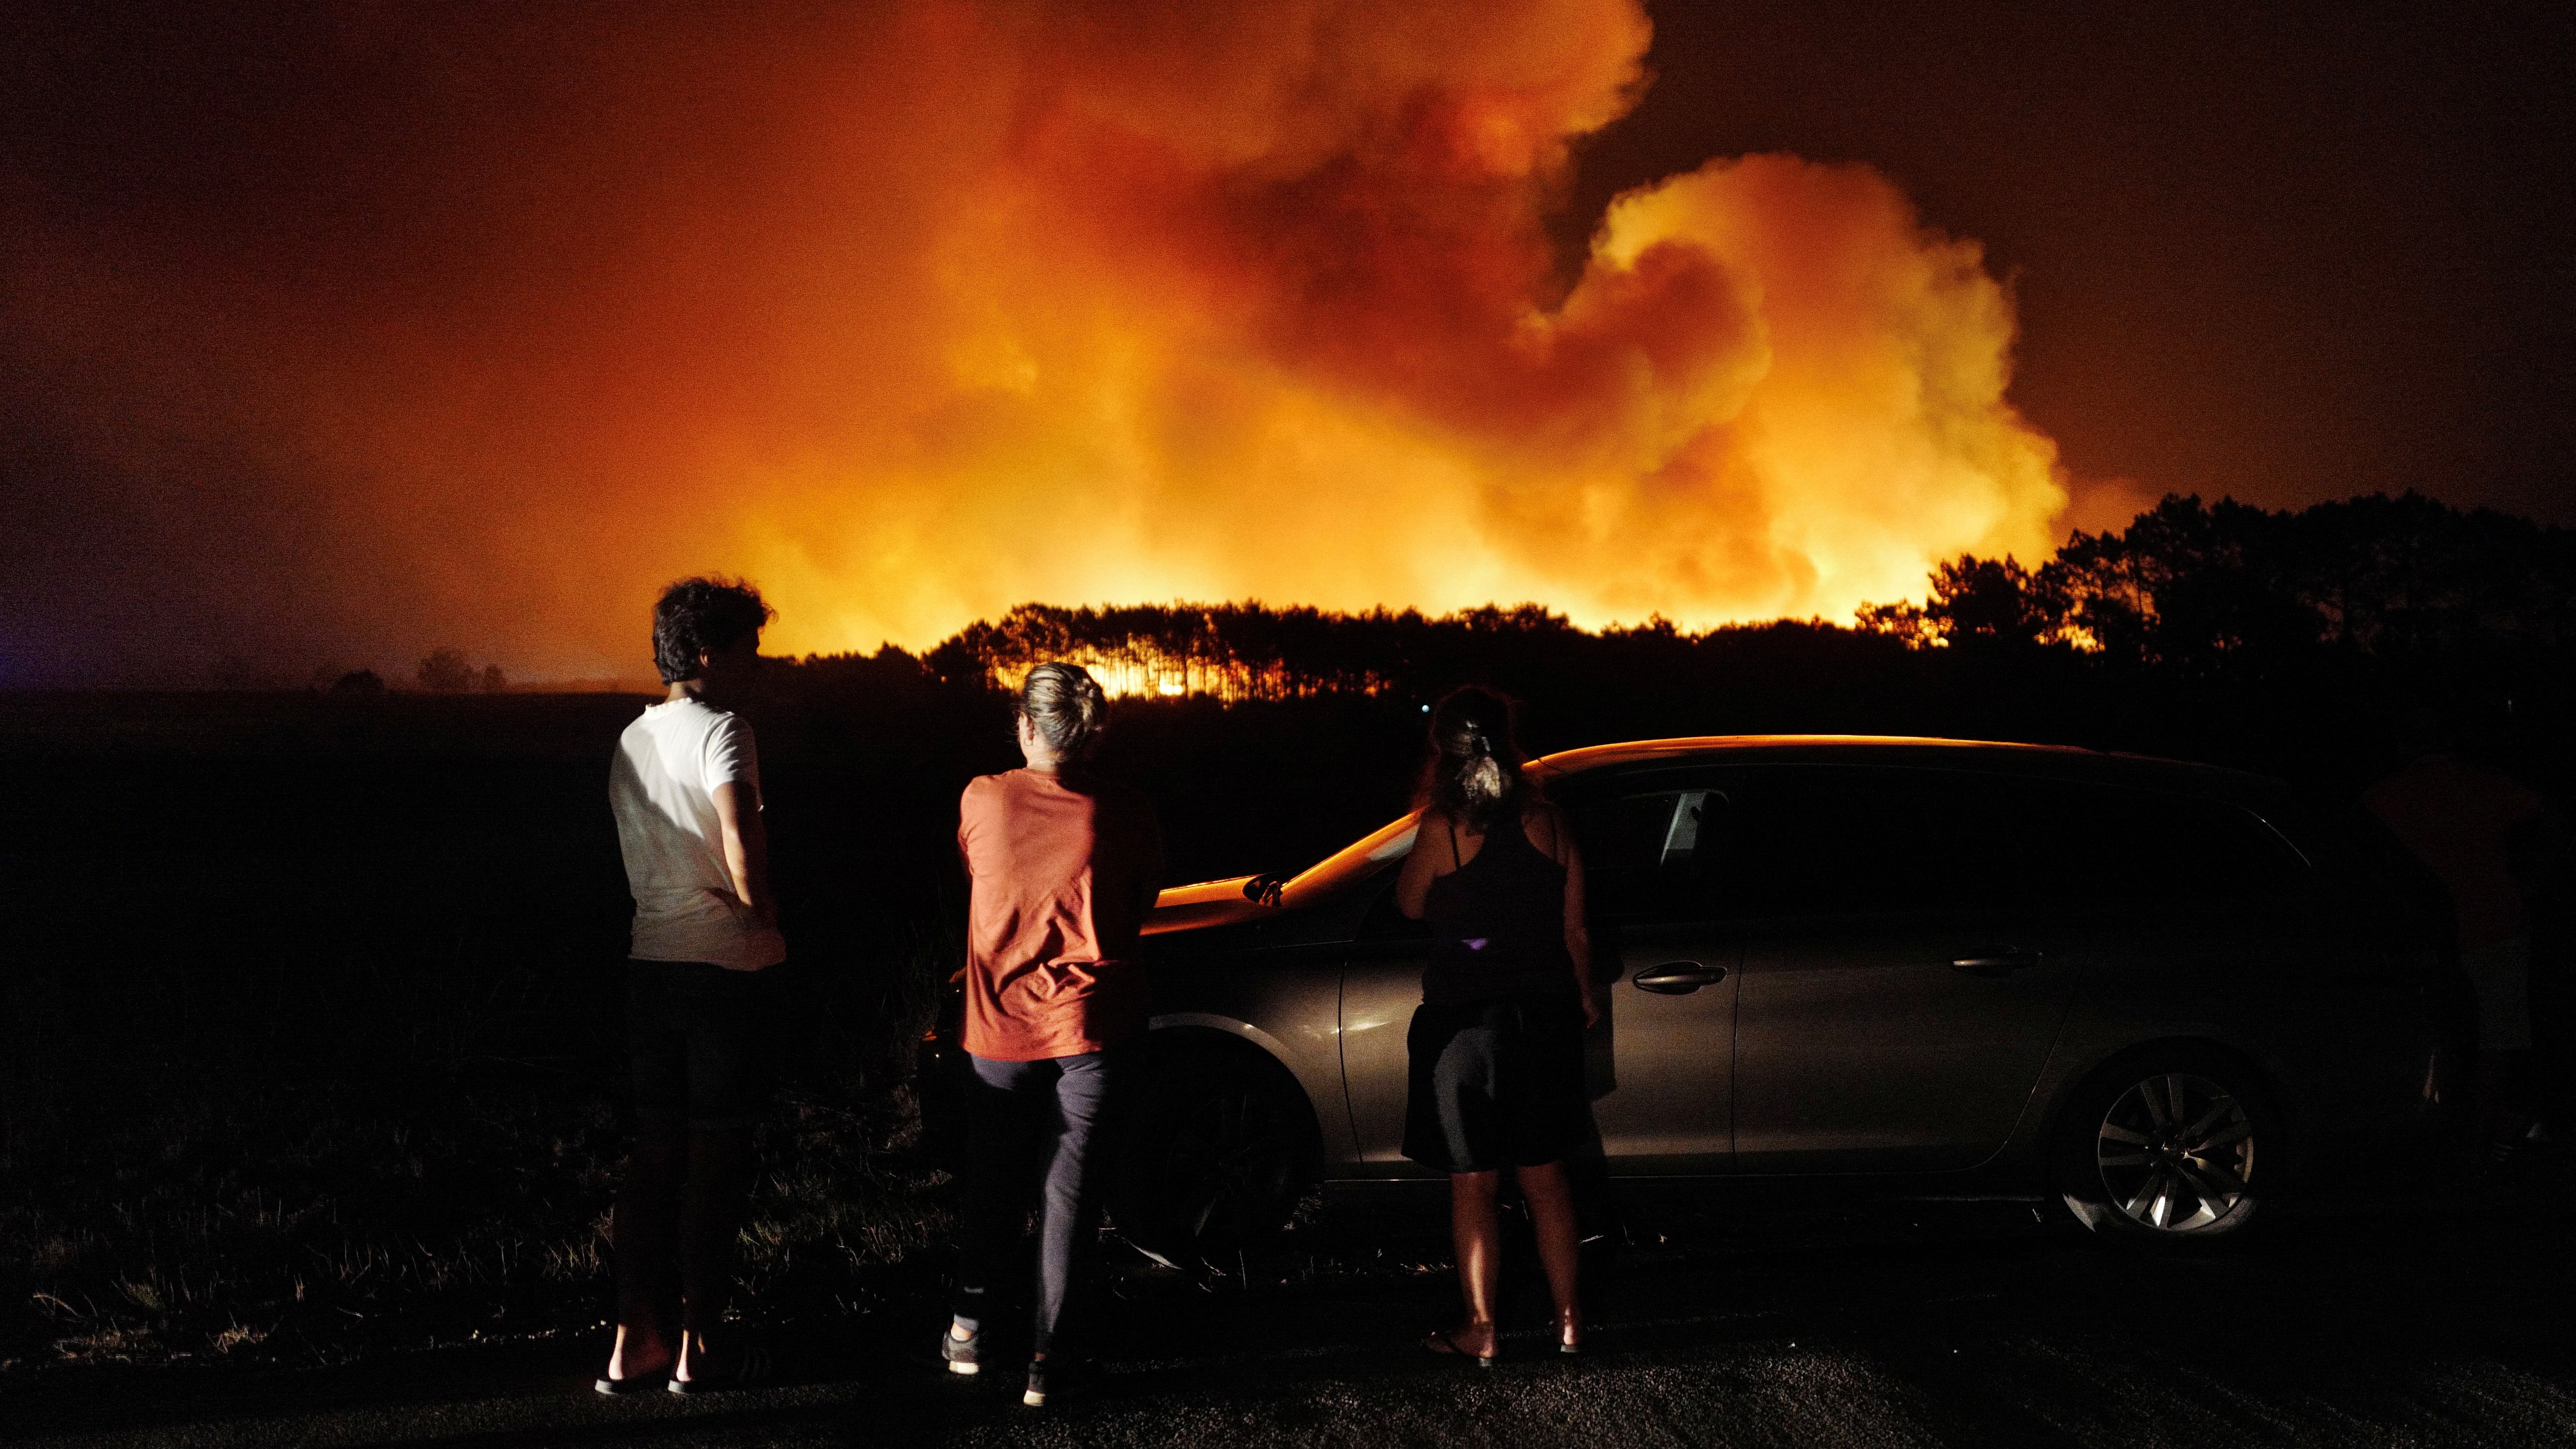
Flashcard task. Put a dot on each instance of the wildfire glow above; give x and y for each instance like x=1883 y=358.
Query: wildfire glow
x=966 y=304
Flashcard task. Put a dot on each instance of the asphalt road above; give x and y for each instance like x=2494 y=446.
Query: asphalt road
x=1965 y=1324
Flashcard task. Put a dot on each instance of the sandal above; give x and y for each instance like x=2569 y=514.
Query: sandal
x=1441 y=1343
x=631 y=1384
x=750 y=1366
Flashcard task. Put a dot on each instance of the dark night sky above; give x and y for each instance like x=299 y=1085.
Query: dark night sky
x=2288 y=252
x=2285 y=251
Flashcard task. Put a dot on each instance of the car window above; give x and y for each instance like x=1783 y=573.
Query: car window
x=2160 y=852
x=1653 y=854
x=1859 y=839
x=1854 y=840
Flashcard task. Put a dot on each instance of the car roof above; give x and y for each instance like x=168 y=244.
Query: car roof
x=1920 y=752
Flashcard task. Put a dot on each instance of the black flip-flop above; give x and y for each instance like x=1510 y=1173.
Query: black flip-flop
x=750 y=1366
x=631 y=1384
x=1441 y=1343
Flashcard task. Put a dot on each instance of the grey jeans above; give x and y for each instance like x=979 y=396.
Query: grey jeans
x=1047 y=1119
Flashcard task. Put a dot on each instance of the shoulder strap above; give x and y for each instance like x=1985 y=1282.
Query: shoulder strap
x=1454 y=862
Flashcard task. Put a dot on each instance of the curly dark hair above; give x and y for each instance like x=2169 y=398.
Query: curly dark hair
x=703 y=614
x=1474 y=773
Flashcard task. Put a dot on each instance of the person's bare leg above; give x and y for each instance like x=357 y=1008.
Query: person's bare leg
x=1477 y=1230
x=643 y=1231
x=639 y=1354
x=711 y=1205
x=1560 y=1243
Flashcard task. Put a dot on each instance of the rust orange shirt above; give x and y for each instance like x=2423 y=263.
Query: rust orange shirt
x=1061 y=878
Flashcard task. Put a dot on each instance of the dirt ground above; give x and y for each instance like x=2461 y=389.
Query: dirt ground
x=1965 y=1323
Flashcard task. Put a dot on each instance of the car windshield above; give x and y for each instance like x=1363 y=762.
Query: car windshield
x=1352 y=863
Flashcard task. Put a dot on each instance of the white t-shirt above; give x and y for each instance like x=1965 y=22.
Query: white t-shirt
x=662 y=789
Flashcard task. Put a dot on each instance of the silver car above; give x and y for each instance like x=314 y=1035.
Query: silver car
x=2145 y=989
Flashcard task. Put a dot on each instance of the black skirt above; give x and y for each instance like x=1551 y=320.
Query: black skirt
x=1496 y=1083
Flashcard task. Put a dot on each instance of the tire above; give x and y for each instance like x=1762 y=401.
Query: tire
x=1223 y=1148
x=2171 y=1148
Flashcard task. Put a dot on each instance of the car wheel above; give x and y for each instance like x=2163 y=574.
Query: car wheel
x=2171 y=1149
x=1223 y=1151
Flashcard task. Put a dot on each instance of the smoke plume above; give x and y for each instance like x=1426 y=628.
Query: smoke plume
x=374 y=328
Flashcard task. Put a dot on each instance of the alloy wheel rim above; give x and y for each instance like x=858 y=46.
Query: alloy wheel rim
x=2176 y=1153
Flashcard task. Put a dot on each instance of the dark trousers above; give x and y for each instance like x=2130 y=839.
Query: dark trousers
x=1047 y=1119
x=699 y=1040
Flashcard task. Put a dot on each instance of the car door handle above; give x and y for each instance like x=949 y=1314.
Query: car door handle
x=1679 y=978
x=1995 y=961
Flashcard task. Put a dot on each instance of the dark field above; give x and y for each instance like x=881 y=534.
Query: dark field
x=2402 y=1324
x=312 y=1034
x=311 y=1027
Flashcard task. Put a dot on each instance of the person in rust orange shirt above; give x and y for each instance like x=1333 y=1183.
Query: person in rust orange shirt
x=1062 y=868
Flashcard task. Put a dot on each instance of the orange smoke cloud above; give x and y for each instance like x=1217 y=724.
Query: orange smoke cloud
x=962 y=304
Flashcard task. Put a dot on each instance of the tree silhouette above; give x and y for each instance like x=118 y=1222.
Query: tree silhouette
x=446 y=672
x=2283 y=641
x=2194 y=588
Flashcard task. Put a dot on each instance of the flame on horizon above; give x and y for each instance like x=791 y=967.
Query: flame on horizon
x=968 y=304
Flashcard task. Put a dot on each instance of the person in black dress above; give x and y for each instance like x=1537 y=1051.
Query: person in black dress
x=1496 y=1047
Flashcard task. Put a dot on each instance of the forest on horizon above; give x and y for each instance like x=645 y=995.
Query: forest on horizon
x=2188 y=589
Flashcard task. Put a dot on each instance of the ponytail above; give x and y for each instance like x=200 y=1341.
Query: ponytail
x=1474 y=774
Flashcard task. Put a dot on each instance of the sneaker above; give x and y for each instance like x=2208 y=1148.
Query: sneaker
x=964 y=1355
x=1057 y=1379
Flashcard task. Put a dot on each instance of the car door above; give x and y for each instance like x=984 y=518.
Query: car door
x=1659 y=1062
x=1654 y=848
x=2229 y=928
x=1381 y=985
x=1907 y=970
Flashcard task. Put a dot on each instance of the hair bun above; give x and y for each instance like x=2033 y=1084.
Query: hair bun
x=1067 y=706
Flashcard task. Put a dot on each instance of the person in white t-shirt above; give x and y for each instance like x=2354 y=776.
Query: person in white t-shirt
x=685 y=788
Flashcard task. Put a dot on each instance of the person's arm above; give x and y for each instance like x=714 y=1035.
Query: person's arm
x=1578 y=937
x=746 y=847
x=968 y=812
x=1413 y=882
x=729 y=765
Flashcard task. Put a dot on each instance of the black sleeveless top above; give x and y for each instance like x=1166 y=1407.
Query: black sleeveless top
x=1497 y=923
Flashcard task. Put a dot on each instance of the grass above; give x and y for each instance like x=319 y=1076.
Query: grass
x=310 y=1045
x=417 y=1158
